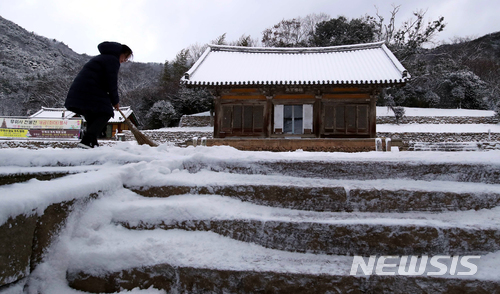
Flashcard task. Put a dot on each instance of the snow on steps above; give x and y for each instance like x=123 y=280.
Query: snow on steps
x=317 y=232
x=206 y=239
x=351 y=195
x=354 y=169
x=199 y=262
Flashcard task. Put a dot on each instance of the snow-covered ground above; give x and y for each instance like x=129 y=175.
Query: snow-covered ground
x=92 y=231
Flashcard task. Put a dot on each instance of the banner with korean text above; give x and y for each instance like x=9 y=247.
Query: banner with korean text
x=39 y=128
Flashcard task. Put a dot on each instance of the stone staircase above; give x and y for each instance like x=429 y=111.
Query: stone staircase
x=292 y=227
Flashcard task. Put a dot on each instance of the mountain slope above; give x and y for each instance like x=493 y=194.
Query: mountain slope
x=36 y=71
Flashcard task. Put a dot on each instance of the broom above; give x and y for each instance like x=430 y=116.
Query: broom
x=140 y=137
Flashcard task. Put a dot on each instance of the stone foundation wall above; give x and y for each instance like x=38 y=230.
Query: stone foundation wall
x=325 y=145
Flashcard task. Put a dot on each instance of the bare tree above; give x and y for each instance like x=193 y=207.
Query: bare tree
x=195 y=52
x=294 y=32
x=412 y=35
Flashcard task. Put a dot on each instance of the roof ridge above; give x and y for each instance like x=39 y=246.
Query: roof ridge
x=196 y=64
x=53 y=108
x=296 y=49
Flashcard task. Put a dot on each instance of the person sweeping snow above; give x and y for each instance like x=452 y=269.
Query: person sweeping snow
x=94 y=91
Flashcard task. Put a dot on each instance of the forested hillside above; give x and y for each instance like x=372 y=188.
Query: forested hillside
x=36 y=71
x=465 y=74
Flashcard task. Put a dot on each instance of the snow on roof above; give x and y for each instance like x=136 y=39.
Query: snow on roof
x=371 y=63
x=47 y=112
x=205 y=113
x=118 y=118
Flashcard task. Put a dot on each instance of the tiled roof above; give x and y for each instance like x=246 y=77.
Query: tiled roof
x=46 y=112
x=371 y=63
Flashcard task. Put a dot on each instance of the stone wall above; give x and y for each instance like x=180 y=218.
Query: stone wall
x=439 y=120
x=194 y=121
x=442 y=137
x=176 y=138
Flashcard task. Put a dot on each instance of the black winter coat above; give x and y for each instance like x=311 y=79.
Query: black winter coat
x=95 y=88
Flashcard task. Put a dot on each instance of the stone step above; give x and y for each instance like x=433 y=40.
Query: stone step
x=346 y=239
x=419 y=196
x=174 y=279
x=16 y=174
x=7 y=179
x=198 y=262
x=468 y=232
x=357 y=170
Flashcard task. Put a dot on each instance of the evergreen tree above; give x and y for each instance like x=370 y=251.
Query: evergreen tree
x=160 y=115
x=341 y=31
x=463 y=89
x=189 y=101
x=173 y=71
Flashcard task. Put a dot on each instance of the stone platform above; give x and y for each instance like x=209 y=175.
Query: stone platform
x=312 y=144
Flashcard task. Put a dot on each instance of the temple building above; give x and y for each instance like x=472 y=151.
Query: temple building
x=290 y=93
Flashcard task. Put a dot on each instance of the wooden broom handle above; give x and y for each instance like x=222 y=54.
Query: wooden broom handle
x=127 y=121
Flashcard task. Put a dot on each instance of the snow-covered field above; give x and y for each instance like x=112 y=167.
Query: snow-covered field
x=92 y=231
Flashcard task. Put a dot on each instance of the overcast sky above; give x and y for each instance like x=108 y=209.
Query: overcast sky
x=157 y=30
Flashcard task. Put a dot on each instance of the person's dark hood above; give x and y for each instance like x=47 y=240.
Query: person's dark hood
x=110 y=48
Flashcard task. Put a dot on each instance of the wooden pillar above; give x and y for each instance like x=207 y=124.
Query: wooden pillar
x=373 y=115
x=217 y=116
x=268 y=116
x=317 y=120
